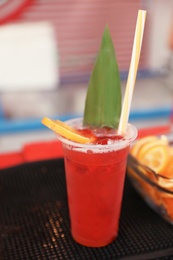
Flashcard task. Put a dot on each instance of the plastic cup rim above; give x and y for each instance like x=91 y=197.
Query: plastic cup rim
x=128 y=138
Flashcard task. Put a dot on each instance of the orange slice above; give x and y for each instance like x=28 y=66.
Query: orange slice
x=168 y=172
x=145 y=148
x=155 y=155
x=65 y=130
x=137 y=146
x=171 y=150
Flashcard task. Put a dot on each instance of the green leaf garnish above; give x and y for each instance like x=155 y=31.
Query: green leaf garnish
x=103 y=100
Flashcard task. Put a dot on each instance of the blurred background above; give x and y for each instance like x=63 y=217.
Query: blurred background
x=47 y=52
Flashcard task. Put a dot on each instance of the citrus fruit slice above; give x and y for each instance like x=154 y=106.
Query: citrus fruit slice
x=155 y=155
x=65 y=130
x=168 y=172
x=145 y=148
x=137 y=146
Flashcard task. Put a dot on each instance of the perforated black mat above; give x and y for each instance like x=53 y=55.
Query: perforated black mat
x=34 y=220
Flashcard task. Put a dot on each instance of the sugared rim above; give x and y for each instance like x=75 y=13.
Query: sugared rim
x=127 y=138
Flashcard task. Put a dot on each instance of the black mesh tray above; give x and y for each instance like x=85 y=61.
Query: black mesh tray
x=34 y=220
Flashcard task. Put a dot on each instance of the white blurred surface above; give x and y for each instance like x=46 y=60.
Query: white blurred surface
x=28 y=57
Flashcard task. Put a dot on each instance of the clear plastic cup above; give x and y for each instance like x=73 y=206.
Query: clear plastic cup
x=95 y=180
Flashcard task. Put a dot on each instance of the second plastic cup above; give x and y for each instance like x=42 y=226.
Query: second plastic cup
x=95 y=180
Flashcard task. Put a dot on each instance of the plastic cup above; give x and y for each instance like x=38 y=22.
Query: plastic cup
x=95 y=180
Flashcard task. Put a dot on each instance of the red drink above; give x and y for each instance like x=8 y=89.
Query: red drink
x=95 y=180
